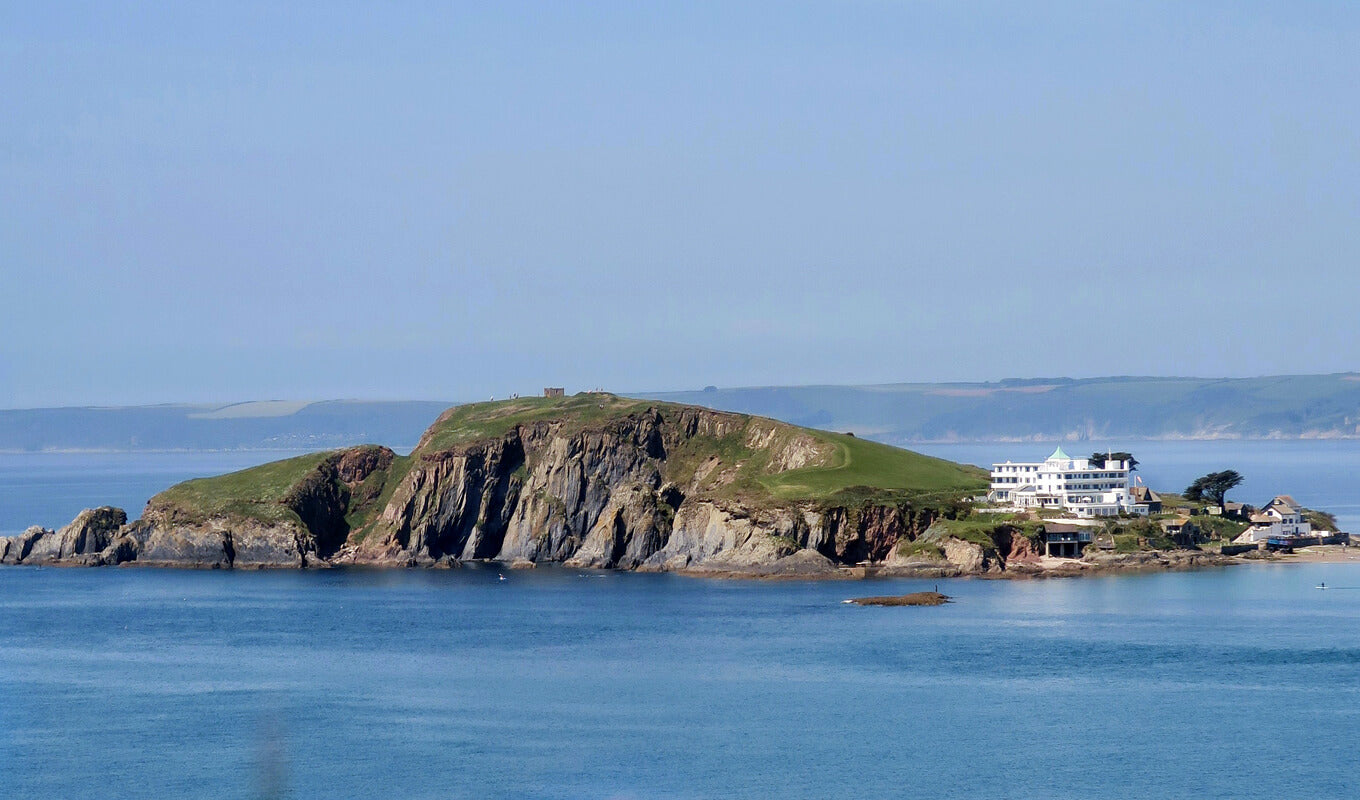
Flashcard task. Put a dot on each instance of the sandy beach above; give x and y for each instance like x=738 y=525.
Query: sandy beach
x=1323 y=554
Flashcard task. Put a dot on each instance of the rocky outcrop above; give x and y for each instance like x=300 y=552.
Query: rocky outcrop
x=1153 y=560
x=603 y=497
x=165 y=538
x=306 y=526
x=1014 y=546
x=18 y=548
x=315 y=530
x=79 y=542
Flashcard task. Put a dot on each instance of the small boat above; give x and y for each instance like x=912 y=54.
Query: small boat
x=500 y=576
x=1320 y=586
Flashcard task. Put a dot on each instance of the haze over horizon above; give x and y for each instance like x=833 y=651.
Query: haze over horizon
x=274 y=406
x=246 y=202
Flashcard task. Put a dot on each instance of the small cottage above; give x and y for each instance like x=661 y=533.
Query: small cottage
x=1065 y=541
x=1143 y=495
x=1281 y=518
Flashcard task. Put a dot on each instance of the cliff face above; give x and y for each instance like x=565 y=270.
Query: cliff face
x=612 y=497
x=302 y=528
x=678 y=488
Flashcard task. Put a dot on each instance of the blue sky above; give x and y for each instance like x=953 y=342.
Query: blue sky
x=224 y=201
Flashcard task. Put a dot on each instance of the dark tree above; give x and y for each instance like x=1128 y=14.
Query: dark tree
x=1099 y=459
x=1214 y=488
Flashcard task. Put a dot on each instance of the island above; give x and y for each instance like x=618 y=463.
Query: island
x=591 y=480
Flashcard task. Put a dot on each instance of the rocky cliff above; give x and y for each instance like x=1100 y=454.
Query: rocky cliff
x=591 y=481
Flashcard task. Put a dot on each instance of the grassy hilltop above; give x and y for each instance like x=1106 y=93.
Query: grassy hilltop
x=257 y=493
x=743 y=463
x=851 y=462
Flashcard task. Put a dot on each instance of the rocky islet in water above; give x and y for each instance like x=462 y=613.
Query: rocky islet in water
x=592 y=481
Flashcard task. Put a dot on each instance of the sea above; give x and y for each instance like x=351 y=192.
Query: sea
x=1240 y=682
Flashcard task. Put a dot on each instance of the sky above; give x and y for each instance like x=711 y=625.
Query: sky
x=224 y=201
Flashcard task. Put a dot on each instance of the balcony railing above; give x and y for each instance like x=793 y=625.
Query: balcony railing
x=1068 y=538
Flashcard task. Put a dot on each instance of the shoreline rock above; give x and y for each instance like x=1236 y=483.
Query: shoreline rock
x=103 y=537
x=912 y=599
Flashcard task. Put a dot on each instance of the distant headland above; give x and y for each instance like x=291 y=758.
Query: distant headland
x=1029 y=409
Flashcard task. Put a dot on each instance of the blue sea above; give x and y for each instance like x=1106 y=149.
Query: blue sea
x=562 y=683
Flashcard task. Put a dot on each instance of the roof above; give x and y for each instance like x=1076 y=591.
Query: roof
x=1285 y=500
x=1145 y=493
x=1059 y=527
x=1263 y=518
x=1059 y=455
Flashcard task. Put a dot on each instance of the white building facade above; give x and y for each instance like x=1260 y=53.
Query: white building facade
x=1282 y=518
x=1060 y=482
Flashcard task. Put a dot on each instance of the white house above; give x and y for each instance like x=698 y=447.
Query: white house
x=1061 y=482
x=1280 y=518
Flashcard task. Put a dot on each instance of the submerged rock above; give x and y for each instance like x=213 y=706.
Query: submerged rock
x=913 y=599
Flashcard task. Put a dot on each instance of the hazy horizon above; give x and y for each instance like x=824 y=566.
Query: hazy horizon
x=240 y=202
x=636 y=392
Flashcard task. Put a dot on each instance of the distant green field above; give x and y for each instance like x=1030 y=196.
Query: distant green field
x=239 y=426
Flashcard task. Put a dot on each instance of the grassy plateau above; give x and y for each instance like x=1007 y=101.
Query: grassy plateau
x=751 y=459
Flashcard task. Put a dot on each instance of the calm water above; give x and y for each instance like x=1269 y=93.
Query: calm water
x=559 y=683
x=141 y=683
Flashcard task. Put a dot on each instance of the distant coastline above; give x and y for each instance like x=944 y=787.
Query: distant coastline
x=1061 y=409
x=1152 y=409
x=94 y=451
x=1042 y=438
x=407 y=446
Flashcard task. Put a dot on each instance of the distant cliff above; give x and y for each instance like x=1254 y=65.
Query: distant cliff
x=1048 y=409
x=590 y=481
x=1039 y=409
x=238 y=426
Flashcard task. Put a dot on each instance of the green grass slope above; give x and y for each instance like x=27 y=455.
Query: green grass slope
x=256 y=493
x=860 y=464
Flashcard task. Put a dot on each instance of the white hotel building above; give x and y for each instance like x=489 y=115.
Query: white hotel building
x=1064 y=483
